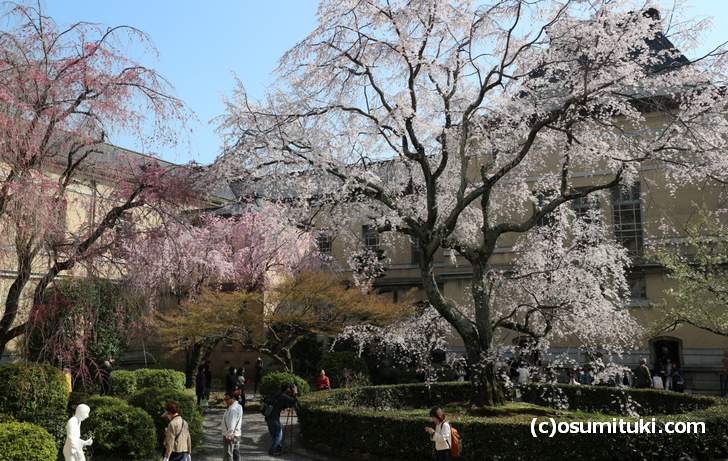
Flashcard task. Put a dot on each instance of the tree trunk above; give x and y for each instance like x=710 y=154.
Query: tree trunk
x=487 y=391
x=12 y=302
x=481 y=362
x=194 y=357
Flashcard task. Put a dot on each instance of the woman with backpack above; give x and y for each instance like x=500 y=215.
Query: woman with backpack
x=441 y=435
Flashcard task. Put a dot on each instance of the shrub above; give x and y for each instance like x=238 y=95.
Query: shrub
x=153 y=399
x=119 y=430
x=35 y=393
x=6 y=418
x=160 y=377
x=26 y=442
x=336 y=363
x=123 y=383
x=487 y=438
x=272 y=382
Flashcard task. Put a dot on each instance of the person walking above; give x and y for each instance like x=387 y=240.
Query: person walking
x=441 y=434
x=231 y=380
x=239 y=396
x=201 y=390
x=177 y=440
x=105 y=376
x=274 y=405
x=258 y=374
x=642 y=375
x=208 y=380
x=322 y=382
x=240 y=378
x=232 y=428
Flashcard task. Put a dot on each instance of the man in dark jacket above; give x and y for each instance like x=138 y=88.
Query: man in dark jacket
x=642 y=375
x=287 y=398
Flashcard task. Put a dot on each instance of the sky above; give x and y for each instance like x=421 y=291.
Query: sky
x=202 y=45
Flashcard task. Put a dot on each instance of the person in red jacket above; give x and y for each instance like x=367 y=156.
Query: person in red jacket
x=322 y=382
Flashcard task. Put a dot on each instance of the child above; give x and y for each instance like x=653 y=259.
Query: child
x=440 y=434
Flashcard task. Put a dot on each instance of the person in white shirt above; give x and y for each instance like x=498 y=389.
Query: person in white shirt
x=232 y=425
x=441 y=434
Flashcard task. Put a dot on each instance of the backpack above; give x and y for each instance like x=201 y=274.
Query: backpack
x=267 y=408
x=455 y=443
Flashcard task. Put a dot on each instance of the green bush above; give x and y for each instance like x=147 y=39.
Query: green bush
x=397 y=396
x=35 y=393
x=119 y=430
x=6 y=418
x=160 y=377
x=272 y=382
x=153 y=399
x=123 y=383
x=489 y=438
x=26 y=442
x=335 y=364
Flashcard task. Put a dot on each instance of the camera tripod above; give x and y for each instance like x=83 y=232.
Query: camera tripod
x=288 y=430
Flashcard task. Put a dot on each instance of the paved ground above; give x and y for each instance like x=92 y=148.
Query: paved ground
x=255 y=442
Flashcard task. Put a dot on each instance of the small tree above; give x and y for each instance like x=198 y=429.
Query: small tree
x=81 y=323
x=274 y=321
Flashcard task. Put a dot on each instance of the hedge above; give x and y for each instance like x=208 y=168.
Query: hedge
x=397 y=396
x=119 y=430
x=160 y=377
x=35 y=393
x=125 y=383
x=612 y=400
x=153 y=399
x=272 y=382
x=398 y=434
x=26 y=442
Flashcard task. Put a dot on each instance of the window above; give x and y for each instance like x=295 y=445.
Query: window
x=627 y=216
x=415 y=252
x=543 y=198
x=637 y=286
x=323 y=241
x=370 y=237
x=582 y=206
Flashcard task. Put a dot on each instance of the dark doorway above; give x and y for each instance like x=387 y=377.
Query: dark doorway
x=665 y=349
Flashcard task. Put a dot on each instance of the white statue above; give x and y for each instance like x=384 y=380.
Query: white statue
x=73 y=449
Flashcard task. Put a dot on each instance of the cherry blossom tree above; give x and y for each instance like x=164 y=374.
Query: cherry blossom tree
x=214 y=265
x=241 y=252
x=63 y=91
x=467 y=125
x=412 y=341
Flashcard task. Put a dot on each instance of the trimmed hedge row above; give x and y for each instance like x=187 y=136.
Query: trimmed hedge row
x=612 y=400
x=35 y=393
x=396 y=434
x=396 y=396
x=153 y=399
x=120 y=431
x=26 y=442
x=125 y=383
